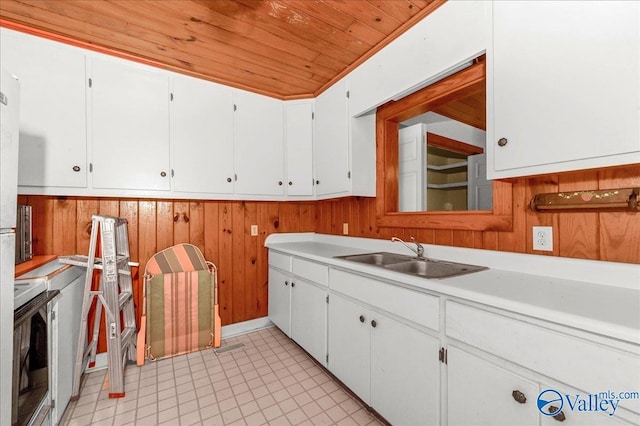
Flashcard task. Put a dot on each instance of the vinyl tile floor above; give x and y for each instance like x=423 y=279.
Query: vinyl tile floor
x=268 y=381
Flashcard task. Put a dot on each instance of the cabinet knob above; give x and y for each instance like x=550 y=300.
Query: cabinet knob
x=502 y=141
x=519 y=396
x=361 y=318
x=374 y=324
x=280 y=182
x=293 y=284
x=163 y=174
x=229 y=180
x=76 y=168
x=290 y=183
x=560 y=416
x=286 y=283
x=317 y=182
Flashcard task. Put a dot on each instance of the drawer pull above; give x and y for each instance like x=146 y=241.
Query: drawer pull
x=361 y=318
x=519 y=396
x=560 y=416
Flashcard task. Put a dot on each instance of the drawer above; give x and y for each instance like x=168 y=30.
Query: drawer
x=420 y=308
x=280 y=261
x=311 y=271
x=588 y=366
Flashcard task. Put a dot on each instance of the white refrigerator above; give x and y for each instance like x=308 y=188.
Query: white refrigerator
x=9 y=131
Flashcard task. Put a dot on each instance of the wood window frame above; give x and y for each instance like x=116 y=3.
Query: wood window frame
x=463 y=83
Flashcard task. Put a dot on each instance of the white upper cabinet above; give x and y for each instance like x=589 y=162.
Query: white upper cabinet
x=299 y=147
x=53 y=130
x=201 y=136
x=331 y=148
x=454 y=33
x=563 y=86
x=259 y=145
x=129 y=125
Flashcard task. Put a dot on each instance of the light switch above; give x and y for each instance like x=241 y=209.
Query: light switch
x=254 y=230
x=345 y=228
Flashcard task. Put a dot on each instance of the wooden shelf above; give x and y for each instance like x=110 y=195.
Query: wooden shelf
x=448 y=168
x=447 y=185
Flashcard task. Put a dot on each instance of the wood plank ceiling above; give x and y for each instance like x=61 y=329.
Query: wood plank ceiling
x=282 y=48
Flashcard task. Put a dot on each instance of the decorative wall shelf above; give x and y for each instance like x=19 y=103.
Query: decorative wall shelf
x=622 y=199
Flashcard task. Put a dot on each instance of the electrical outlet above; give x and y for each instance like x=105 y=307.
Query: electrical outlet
x=345 y=228
x=543 y=238
x=254 y=230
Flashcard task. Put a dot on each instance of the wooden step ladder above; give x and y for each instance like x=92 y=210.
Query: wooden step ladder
x=115 y=295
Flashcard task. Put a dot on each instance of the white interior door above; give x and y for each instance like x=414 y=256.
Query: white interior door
x=479 y=190
x=411 y=169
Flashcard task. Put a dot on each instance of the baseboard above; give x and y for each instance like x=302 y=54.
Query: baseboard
x=245 y=327
x=230 y=330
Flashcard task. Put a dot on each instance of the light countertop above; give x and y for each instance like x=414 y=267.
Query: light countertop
x=599 y=297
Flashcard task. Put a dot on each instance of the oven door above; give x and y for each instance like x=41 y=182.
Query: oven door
x=30 y=358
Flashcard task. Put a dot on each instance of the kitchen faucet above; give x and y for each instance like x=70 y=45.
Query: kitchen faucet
x=419 y=250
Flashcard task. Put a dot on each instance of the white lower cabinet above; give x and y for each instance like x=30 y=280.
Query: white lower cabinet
x=309 y=318
x=391 y=366
x=280 y=300
x=298 y=302
x=405 y=373
x=68 y=326
x=393 y=347
x=480 y=392
x=349 y=346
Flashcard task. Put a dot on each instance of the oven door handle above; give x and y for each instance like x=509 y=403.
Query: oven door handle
x=25 y=311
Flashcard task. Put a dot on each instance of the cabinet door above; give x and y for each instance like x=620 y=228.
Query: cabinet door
x=309 y=318
x=129 y=125
x=480 y=392
x=349 y=345
x=280 y=300
x=331 y=148
x=201 y=136
x=405 y=373
x=576 y=417
x=68 y=319
x=53 y=128
x=259 y=145
x=299 y=141
x=565 y=86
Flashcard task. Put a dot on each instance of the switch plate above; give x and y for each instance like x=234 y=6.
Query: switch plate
x=543 y=238
x=345 y=228
x=254 y=230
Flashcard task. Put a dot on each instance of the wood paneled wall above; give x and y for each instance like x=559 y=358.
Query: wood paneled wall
x=222 y=230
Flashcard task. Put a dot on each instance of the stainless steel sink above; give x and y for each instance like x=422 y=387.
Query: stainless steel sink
x=378 y=259
x=434 y=269
x=421 y=267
